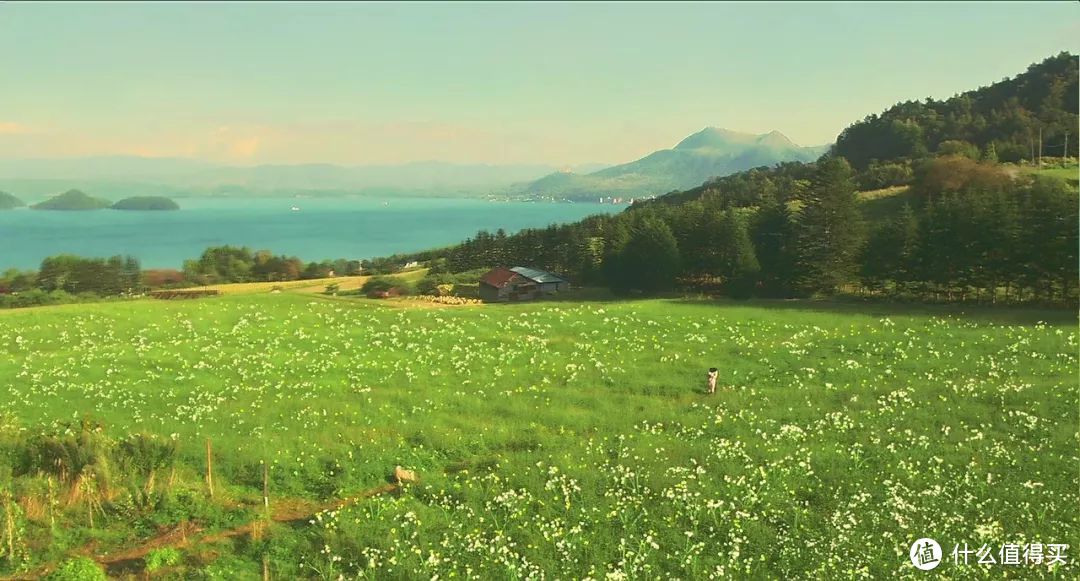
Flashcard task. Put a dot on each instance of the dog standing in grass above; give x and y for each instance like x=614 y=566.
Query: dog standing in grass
x=712 y=379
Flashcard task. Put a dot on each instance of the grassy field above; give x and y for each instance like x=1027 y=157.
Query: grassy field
x=1065 y=173
x=565 y=440
x=315 y=285
x=1069 y=174
x=880 y=206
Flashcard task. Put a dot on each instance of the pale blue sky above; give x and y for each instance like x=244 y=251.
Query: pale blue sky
x=494 y=83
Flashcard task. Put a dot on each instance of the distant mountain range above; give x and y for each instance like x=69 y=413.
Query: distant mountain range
x=709 y=153
x=116 y=177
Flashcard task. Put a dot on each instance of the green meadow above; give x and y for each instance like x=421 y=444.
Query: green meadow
x=551 y=440
x=1070 y=174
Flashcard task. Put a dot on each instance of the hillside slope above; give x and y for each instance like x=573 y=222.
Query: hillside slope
x=72 y=200
x=709 y=153
x=1004 y=120
x=9 y=202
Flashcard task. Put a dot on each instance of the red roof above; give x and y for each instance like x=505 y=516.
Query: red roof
x=498 y=277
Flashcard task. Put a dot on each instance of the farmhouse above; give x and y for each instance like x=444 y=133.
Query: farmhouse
x=519 y=284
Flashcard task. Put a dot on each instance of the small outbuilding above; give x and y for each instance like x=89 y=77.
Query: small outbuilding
x=519 y=284
x=548 y=282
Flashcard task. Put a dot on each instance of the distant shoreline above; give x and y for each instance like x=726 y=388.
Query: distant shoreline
x=360 y=227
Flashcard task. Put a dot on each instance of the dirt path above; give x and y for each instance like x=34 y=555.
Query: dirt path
x=188 y=534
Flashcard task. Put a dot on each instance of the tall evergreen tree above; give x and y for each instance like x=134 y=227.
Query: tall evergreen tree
x=942 y=243
x=705 y=255
x=132 y=274
x=650 y=260
x=830 y=229
x=906 y=239
x=1047 y=246
x=738 y=263
x=615 y=235
x=691 y=227
x=891 y=252
x=773 y=236
x=993 y=225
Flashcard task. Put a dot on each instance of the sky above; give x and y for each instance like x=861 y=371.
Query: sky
x=493 y=83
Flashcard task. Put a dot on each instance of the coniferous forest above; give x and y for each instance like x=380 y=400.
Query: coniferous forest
x=934 y=200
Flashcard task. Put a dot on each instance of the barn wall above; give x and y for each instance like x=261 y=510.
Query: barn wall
x=490 y=294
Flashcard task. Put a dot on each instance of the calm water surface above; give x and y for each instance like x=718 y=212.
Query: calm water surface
x=323 y=228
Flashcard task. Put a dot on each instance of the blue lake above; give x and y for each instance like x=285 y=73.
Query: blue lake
x=351 y=228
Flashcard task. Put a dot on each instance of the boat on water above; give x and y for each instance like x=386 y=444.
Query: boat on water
x=295 y=209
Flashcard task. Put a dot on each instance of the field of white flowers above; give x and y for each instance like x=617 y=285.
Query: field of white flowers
x=574 y=440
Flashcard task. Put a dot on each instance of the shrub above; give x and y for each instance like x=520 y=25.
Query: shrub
x=78 y=569
x=438 y=266
x=194 y=505
x=184 y=294
x=164 y=557
x=429 y=284
x=378 y=283
x=162 y=277
x=147 y=455
x=884 y=175
x=956 y=174
x=383 y=286
x=36 y=297
x=76 y=453
x=958 y=147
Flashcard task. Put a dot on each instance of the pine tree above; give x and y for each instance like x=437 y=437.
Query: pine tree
x=773 y=243
x=891 y=252
x=830 y=230
x=132 y=277
x=705 y=255
x=943 y=243
x=906 y=226
x=1047 y=246
x=738 y=263
x=691 y=228
x=993 y=223
x=650 y=260
x=616 y=234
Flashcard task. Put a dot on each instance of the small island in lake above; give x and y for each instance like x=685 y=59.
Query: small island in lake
x=72 y=200
x=146 y=203
x=10 y=202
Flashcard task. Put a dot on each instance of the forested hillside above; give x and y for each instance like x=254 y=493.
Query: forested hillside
x=957 y=223
x=1002 y=122
x=964 y=230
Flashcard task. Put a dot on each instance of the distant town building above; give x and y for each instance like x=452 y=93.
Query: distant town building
x=519 y=284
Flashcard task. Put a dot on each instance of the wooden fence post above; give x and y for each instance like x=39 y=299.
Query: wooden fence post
x=10 y=527
x=209 y=469
x=266 y=488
